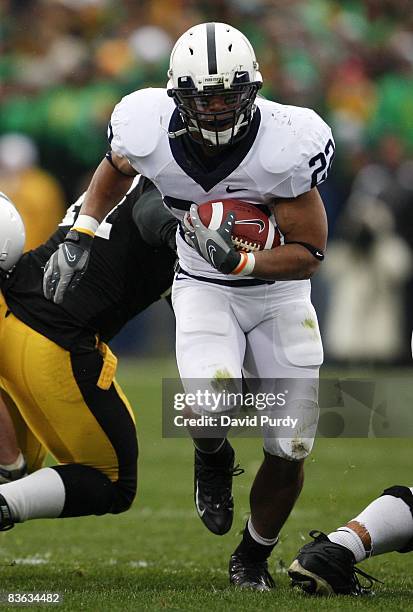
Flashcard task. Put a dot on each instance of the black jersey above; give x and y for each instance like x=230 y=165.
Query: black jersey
x=124 y=276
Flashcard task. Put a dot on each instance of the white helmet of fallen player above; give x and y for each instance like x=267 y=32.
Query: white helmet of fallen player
x=12 y=234
x=214 y=79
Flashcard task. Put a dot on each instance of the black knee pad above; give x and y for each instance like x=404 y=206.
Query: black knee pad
x=88 y=491
x=406 y=495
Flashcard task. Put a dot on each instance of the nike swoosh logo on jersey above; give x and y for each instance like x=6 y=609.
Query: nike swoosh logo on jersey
x=258 y=222
x=229 y=190
x=70 y=257
x=201 y=512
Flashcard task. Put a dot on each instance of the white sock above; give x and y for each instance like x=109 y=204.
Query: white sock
x=349 y=538
x=39 y=495
x=16 y=465
x=256 y=536
x=389 y=521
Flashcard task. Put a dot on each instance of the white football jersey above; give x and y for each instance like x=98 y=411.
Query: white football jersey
x=287 y=151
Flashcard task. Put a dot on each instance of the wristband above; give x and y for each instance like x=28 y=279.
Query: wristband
x=80 y=239
x=86 y=225
x=246 y=265
x=317 y=253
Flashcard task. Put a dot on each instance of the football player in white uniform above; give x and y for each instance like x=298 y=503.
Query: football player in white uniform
x=206 y=136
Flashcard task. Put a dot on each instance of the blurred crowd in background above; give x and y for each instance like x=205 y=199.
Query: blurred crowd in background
x=64 y=64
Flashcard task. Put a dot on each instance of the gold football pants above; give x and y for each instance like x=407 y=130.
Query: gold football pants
x=70 y=405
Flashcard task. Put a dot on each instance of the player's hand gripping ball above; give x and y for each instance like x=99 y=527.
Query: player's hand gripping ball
x=252 y=230
x=219 y=230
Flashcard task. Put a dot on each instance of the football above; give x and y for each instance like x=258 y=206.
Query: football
x=253 y=229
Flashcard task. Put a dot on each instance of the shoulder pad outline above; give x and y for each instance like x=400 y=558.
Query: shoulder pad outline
x=302 y=131
x=136 y=122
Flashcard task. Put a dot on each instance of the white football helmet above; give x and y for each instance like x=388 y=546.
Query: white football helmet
x=12 y=234
x=214 y=79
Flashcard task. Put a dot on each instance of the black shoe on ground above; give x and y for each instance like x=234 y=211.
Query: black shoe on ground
x=213 y=492
x=325 y=568
x=246 y=573
x=11 y=475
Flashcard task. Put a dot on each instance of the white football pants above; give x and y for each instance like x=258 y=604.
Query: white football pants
x=266 y=332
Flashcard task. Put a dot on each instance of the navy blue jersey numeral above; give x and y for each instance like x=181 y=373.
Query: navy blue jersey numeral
x=322 y=164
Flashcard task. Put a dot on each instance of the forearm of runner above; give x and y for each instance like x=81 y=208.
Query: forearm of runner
x=288 y=262
x=107 y=187
x=301 y=220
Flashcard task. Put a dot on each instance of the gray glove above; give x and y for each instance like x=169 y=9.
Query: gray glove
x=67 y=265
x=215 y=246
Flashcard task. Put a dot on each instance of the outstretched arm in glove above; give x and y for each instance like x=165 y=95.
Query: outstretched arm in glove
x=67 y=265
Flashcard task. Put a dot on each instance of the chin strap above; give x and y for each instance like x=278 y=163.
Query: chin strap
x=210 y=135
x=181 y=132
x=230 y=133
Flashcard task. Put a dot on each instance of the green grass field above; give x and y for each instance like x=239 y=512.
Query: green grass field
x=159 y=556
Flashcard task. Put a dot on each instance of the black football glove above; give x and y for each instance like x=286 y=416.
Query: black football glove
x=67 y=265
x=156 y=224
x=215 y=246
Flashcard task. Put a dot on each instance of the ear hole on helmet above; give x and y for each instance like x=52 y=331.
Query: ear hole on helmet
x=191 y=51
x=230 y=47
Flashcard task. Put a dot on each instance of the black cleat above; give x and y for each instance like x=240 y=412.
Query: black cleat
x=213 y=493
x=246 y=573
x=10 y=475
x=6 y=521
x=325 y=568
